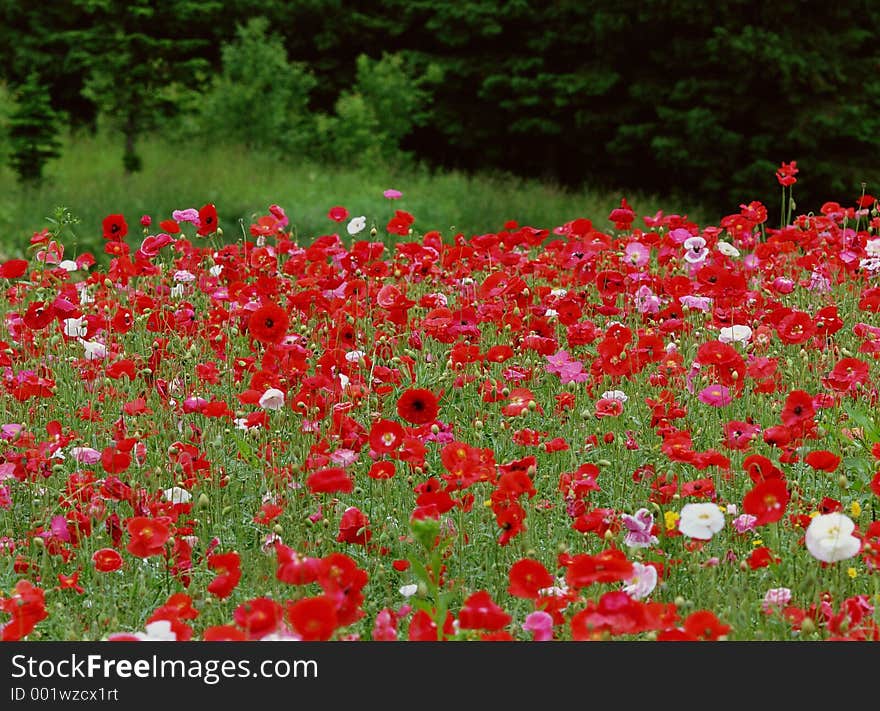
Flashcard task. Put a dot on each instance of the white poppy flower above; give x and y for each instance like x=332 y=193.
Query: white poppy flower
x=642 y=581
x=94 y=350
x=735 y=334
x=177 y=495
x=272 y=399
x=356 y=224
x=75 y=327
x=701 y=520
x=829 y=538
x=158 y=631
x=727 y=249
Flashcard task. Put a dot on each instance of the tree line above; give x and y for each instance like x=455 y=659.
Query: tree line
x=670 y=96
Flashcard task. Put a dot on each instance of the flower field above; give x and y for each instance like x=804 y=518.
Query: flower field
x=646 y=429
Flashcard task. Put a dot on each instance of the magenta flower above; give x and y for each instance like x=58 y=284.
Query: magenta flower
x=393 y=194
x=85 y=455
x=59 y=529
x=744 y=523
x=278 y=213
x=637 y=254
x=569 y=371
x=700 y=303
x=639 y=527
x=10 y=431
x=188 y=215
x=540 y=624
x=647 y=302
x=715 y=395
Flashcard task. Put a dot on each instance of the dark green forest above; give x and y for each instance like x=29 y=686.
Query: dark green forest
x=669 y=96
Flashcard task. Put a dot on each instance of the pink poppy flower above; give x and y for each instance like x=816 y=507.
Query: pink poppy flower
x=715 y=395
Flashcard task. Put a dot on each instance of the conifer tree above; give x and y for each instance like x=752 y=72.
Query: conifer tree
x=33 y=131
x=142 y=56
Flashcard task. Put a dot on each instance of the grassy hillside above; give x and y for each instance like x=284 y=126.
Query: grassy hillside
x=89 y=181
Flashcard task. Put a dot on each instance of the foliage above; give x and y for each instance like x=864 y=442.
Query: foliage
x=33 y=131
x=659 y=95
x=154 y=54
x=380 y=110
x=259 y=99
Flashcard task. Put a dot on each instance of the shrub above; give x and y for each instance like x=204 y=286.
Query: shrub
x=260 y=98
x=374 y=116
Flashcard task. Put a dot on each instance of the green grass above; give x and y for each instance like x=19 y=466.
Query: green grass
x=88 y=180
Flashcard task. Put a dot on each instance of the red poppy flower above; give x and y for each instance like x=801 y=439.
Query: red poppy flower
x=382 y=470
x=386 y=436
x=609 y=566
x=169 y=226
x=258 y=617
x=148 y=536
x=13 y=268
x=796 y=327
x=527 y=578
x=268 y=324
x=115 y=461
x=823 y=460
x=617 y=613
x=70 y=582
x=869 y=299
x=798 y=408
x=27 y=607
x=115 y=227
x=846 y=373
x=828 y=505
x=228 y=569
x=313 y=618
x=38 y=315
x=107 y=560
x=777 y=436
x=418 y=406
x=422 y=627
x=480 y=612
x=767 y=501
x=223 y=633
x=354 y=527
x=608 y=407
x=875 y=484
x=207 y=220
x=761 y=558
x=786 y=172
x=499 y=354
x=519 y=400
x=705 y=626
x=699 y=488
x=337 y=213
x=760 y=468
x=400 y=223
x=700 y=626
x=293 y=568
x=328 y=481
x=341 y=579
